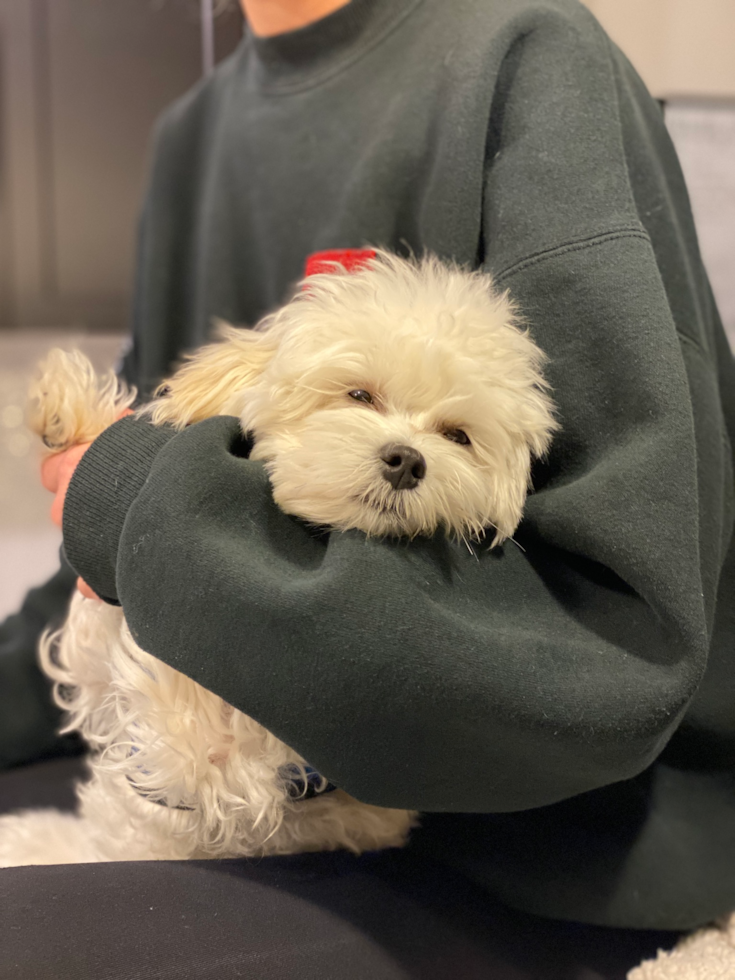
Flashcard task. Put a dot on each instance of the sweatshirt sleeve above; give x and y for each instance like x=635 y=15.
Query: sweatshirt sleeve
x=417 y=674
x=106 y=481
x=420 y=675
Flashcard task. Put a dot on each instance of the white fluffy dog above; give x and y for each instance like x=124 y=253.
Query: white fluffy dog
x=396 y=399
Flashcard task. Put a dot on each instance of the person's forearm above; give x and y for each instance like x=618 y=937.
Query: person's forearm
x=401 y=671
x=106 y=481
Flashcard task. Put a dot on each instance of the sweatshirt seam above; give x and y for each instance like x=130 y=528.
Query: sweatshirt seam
x=579 y=245
x=576 y=245
x=319 y=79
x=691 y=342
x=699 y=349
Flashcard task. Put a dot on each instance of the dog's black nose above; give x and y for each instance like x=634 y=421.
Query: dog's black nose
x=403 y=467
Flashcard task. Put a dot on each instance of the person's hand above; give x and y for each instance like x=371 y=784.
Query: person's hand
x=56 y=473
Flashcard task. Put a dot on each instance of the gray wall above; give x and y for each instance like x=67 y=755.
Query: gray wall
x=81 y=82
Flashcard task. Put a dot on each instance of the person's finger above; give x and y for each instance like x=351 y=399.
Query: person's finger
x=51 y=463
x=58 y=469
x=86 y=591
x=57 y=509
x=65 y=467
x=50 y=471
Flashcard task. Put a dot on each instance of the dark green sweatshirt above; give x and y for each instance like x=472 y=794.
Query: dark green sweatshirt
x=564 y=711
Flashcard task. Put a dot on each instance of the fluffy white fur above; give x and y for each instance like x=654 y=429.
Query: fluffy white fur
x=69 y=404
x=437 y=350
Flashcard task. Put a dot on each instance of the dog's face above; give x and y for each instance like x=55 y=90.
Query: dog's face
x=395 y=400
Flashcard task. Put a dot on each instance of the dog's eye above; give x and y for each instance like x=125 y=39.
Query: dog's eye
x=360 y=395
x=458 y=435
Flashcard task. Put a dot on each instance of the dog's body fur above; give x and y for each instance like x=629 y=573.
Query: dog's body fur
x=396 y=400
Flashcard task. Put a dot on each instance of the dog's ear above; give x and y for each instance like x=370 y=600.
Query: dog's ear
x=213 y=377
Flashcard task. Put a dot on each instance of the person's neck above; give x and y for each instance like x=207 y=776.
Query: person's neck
x=267 y=18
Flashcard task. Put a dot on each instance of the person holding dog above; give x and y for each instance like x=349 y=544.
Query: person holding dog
x=563 y=712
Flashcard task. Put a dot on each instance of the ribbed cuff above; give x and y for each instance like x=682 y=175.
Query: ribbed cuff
x=107 y=480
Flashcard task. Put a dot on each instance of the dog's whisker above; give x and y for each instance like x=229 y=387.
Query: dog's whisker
x=470 y=548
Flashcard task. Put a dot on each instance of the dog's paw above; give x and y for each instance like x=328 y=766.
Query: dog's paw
x=69 y=404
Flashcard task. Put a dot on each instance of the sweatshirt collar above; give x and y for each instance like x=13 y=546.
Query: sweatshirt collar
x=305 y=57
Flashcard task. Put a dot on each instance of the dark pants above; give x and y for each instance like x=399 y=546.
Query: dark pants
x=387 y=916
